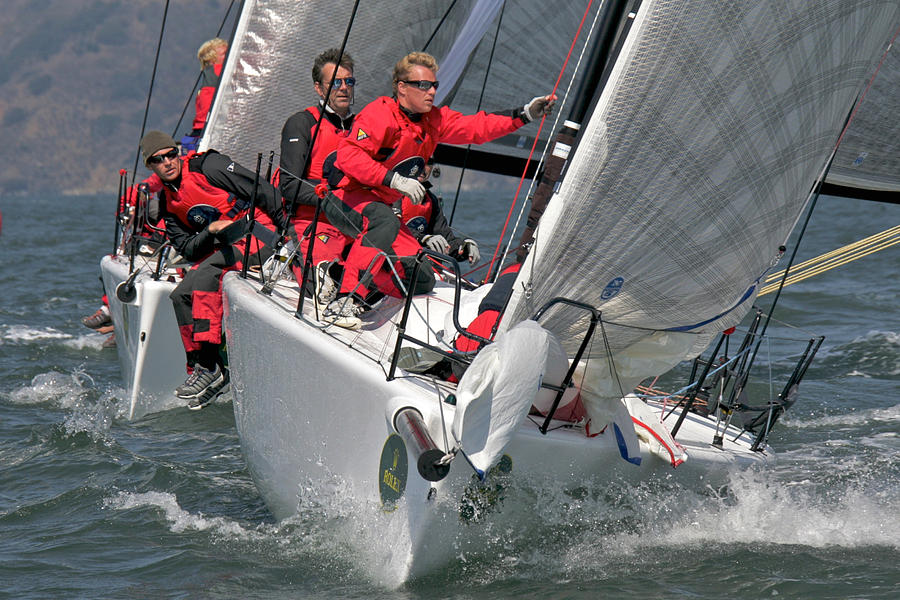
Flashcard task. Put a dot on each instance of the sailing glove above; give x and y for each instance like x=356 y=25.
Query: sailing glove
x=438 y=243
x=409 y=187
x=470 y=249
x=538 y=107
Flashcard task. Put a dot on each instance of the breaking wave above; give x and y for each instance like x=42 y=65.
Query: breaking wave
x=92 y=410
x=874 y=355
x=178 y=519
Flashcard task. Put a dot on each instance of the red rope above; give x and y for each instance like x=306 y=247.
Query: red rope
x=536 y=138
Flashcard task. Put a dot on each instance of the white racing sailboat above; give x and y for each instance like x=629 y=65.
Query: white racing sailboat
x=705 y=127
x=697 y=155
x=138 y=278
x=148 y=343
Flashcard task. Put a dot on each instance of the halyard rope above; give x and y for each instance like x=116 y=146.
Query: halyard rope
x=496 y=255
x=834 y=258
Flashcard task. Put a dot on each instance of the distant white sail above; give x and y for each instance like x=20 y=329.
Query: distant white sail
x=692 y=170
x=869 y=155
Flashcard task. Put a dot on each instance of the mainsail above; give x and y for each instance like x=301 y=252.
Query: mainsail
x=267 y=75
x=691 y=171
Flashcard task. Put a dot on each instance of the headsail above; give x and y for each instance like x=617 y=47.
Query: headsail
x=692 y=169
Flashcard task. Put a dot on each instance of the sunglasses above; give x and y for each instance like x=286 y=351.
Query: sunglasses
x=337 y=83
x=161 y=158
x=422 y=84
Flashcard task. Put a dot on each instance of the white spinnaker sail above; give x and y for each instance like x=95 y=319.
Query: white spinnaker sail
x=267 y=77
x=691 y=171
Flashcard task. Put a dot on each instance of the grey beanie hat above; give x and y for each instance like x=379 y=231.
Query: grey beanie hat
x=154 y=141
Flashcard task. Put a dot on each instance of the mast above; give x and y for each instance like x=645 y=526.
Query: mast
x=612 y=20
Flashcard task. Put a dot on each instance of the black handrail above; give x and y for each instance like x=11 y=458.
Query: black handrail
x=251 y=215
x=401 y=328
x=567 y=380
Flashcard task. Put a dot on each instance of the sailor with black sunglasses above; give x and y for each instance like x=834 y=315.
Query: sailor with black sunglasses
x=204 y=198
x=391 y=140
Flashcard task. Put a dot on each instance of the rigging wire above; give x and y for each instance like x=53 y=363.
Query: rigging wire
x=537 y=137
x=199 y=75
x=487 y=72
x=307 y=263
x=439 y=25
x=162 y=30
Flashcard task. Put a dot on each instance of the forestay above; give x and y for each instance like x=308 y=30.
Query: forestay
x=692 y=170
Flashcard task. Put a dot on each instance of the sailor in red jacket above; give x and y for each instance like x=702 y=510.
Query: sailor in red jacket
x=314 y=166
x=390 y=142
x=202 y=195
x=212 y=57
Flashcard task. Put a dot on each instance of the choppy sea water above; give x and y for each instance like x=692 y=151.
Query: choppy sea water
x=94 y=506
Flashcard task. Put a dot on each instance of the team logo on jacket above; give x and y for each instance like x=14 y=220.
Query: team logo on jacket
x=201 y=215
x=411 y=167
x=361 y=135
x=417 y=225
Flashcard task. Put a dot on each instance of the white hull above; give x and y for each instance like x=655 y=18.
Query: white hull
x=151 y=354
x=314 y=413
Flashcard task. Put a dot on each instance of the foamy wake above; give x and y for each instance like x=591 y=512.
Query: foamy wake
x=23 y=334
x=800 y=513
x=758 y=511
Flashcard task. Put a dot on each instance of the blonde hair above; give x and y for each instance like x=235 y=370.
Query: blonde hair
x=207 y=52
x=405 y=64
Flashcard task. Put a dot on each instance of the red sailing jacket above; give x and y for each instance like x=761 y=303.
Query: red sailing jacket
x=295 y=138
x=327 y=142
x=386 y=140
x=199 y=199
x=417 y=217
x=196 y=202
x=206 y=94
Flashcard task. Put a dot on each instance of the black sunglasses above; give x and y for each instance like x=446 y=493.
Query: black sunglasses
x=337 y=83
x=422 y=84
x=160 y=158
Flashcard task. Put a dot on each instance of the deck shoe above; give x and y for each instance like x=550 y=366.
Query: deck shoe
x=200 y=381
x=209 y=395
x=326 y=287
x=99 y=319
x=344 y=312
